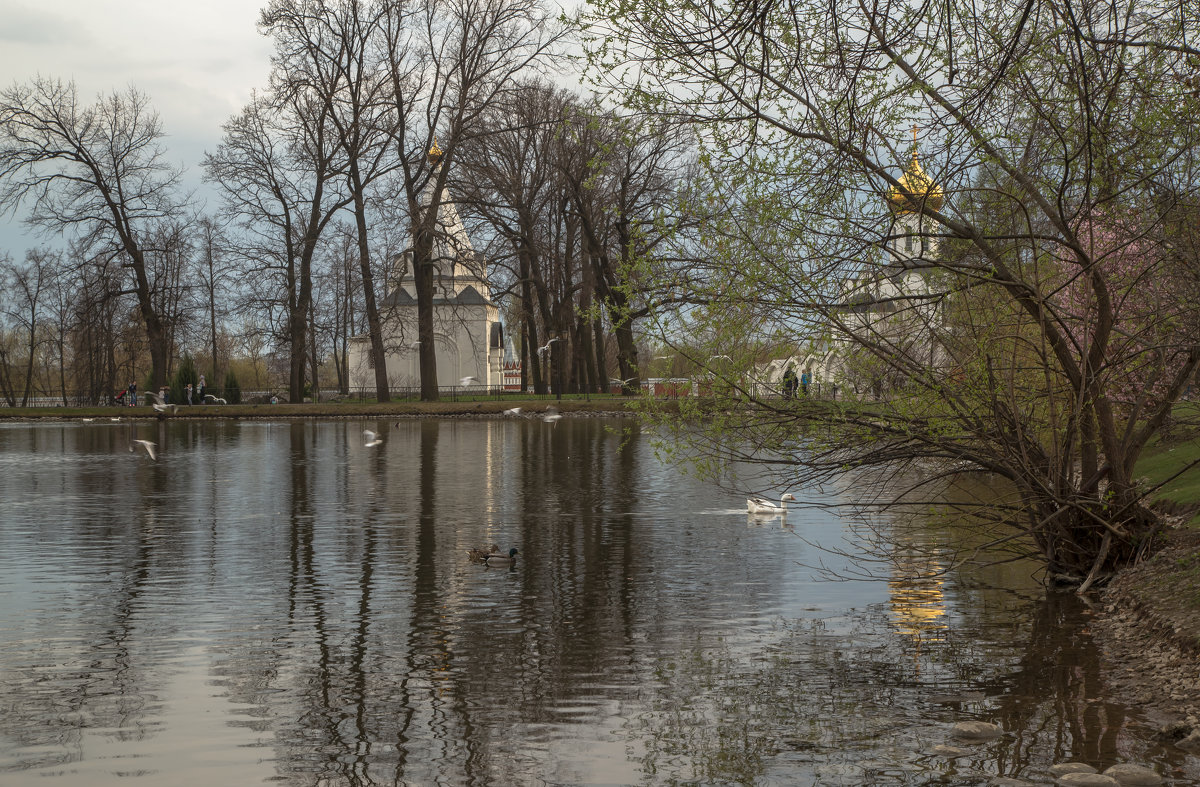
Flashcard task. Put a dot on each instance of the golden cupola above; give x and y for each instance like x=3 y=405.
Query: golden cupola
x=916 y=188
x=435 y=153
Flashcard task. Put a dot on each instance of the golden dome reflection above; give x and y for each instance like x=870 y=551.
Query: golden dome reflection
x=915 y=188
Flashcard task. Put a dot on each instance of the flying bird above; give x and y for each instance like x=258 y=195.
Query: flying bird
x=149 y=446
x=545 y=348
x=214 y=399
x=513 y=411
x=464 y=382
x=552 y=415
x=372 y=439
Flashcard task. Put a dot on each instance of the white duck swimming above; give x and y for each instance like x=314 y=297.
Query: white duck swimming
x=760 y=505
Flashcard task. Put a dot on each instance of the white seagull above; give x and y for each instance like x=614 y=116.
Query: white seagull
x=552 y=415
x=372 y=439
x=214 y=399
x=545 y=348
x=464 y=382
x=513 y=411
x=149 y=446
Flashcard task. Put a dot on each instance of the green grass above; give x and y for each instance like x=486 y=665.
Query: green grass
x=461 y=406
x=1174 y=451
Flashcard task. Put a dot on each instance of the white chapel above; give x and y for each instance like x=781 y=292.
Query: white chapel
x=469 y=338
x=893 y=302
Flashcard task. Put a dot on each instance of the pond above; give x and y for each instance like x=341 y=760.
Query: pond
x=275 y=602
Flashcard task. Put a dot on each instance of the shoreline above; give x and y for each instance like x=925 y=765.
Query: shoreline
x=1147 y=624
x=614 y=406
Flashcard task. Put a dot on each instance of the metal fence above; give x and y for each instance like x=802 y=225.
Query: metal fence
x=656 y=388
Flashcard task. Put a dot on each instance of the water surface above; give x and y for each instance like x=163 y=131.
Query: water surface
x=276 y=603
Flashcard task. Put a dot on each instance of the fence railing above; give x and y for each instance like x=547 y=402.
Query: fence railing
x=658 y=388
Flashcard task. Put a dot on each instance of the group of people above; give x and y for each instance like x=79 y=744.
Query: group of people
x=791 y=383
x=191 y=395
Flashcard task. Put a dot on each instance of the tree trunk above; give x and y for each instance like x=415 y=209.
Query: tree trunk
x=374 y=324
x=423 y=276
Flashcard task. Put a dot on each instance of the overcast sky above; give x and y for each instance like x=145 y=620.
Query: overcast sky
x=197 y=62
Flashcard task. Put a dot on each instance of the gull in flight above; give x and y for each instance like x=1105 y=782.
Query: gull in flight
x=372 y=438
x=513 y=411
x=545 y=348
x=118 y=418
x=552 y=415
x=160 y=405
x=464 y=382
x=214 y=399
x=88 y=420
x=149 y=446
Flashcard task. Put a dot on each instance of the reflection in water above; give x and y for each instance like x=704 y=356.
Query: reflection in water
x=916 y=596
x=276 y=603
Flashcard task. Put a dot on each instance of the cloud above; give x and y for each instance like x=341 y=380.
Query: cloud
x=23 y=24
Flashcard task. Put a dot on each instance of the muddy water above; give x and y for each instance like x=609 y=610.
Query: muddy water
x=276 y=603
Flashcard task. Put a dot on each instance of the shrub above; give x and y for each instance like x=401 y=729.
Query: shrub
x=186 y=373
x=233 y=391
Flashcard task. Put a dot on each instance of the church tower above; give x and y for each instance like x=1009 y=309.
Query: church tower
x=468 y=337
x=456 y=264
x=911 y=240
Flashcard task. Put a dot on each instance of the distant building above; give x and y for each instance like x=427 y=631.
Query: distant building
x=469 y=338
x=893 y=303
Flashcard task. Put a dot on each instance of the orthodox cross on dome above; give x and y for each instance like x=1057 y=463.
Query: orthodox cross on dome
x=916 y=188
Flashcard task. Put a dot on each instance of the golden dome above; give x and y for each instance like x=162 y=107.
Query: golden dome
x=435 y=153
x=915 y=188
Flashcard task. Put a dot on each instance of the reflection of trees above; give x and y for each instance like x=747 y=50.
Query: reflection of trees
x=1054 y=702
x=100 y=669
x=347 y=628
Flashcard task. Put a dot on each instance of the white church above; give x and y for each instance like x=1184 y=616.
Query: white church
x=893 y=302
x=469 y=338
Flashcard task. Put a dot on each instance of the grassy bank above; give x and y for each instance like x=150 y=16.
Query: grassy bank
x=462 y=406
x=1173 y=463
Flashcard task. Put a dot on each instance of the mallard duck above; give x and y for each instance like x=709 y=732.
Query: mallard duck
x=760 y=505
x=479 y=555
x=501 y=559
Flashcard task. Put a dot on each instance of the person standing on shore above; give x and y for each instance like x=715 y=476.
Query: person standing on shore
x=133 y=394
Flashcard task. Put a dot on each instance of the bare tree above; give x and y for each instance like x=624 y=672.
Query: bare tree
x=98 y=171
x=215 y=275
x=578 y=194
x=26 y=286
x=278 y=170
x=336 y=49
x=448 y=63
